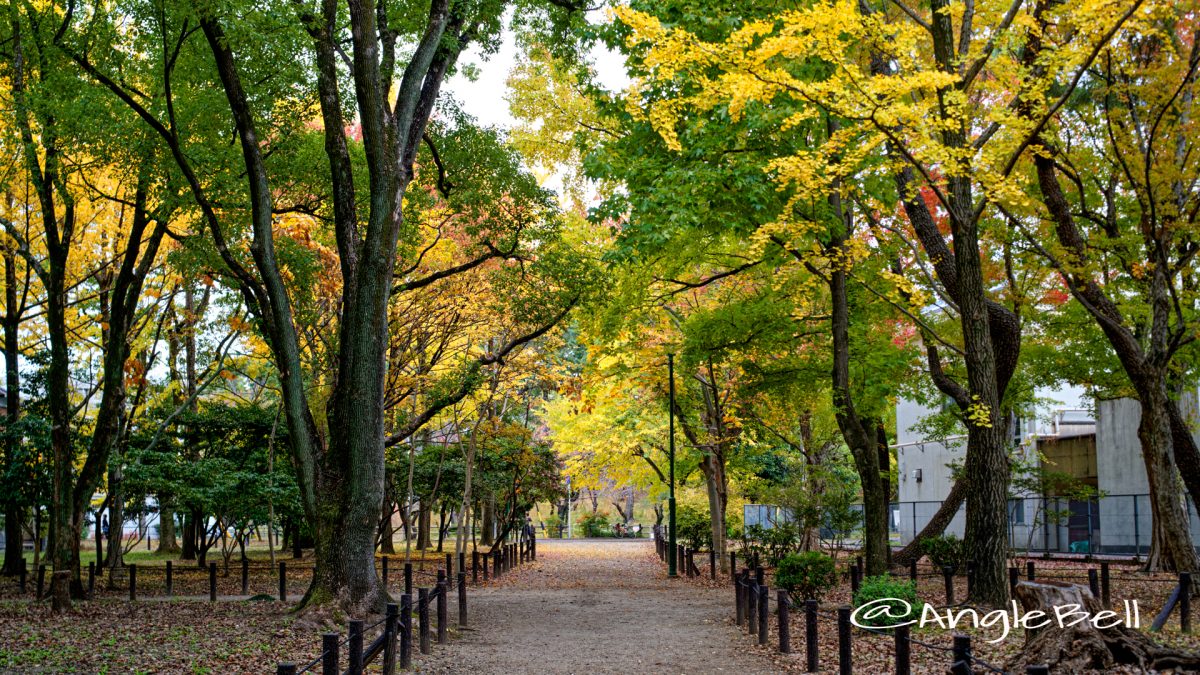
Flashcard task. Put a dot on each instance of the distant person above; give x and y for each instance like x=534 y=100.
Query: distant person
x=104 y=526
x=530 y=532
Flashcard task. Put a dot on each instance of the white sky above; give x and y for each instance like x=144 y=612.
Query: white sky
x=484 y=98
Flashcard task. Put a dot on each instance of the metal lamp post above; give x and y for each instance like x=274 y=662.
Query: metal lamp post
x=672 y=563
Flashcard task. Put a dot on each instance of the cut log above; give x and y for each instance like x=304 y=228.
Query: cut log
x=1082 y=647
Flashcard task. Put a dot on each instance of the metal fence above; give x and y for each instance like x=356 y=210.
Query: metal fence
x=1112 y=524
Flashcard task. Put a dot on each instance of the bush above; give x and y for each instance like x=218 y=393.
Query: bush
x=595 y=525
x=806 y=575
x=900 y=597
x=945 y=550
x=553 y=525
x=693 y=528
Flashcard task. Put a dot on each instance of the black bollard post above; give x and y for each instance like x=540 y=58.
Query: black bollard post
x=408 y=578
x=962 y=656
x=752 y=607
x=24 y=572
x=41 y=581
x=1029 y=570
x=384 y=572
x=811 y=652
x=475 y=567
x=1014 y=575
x=762 y=614
x=245 y=576
x=132 y=582
x=443 y=612
x=405 y=631
x=462 y=562
x=948 y=577
x=449 y=565
x=392 y=631
x=853 y=580
x=91 y=587
x=1037 y=670
x=329 y=654
x=733 y=565
x=912 y=571
x=355 y=648
x=845 y=655
x=285 y=668
x=170 y=579
x=785 y=634
x=282 y=581
x=212 y=582
x=423 y=617
x=903 y=651
x=1094 y=582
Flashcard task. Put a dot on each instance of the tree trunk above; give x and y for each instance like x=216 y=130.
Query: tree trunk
x=1171 y=546
x=387 y=545
x=487 y=530
x=167 y=543
x=936 y=525
x=424 y=516
x=14 y=514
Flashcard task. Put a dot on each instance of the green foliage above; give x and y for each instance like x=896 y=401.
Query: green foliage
x=553 y=523
x=693 y=528
x=945 y=550
x=595 y=525
x=806 y=575
x=897 y=595
x=771 y=544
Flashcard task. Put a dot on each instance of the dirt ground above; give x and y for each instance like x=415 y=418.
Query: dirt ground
x=596 y=606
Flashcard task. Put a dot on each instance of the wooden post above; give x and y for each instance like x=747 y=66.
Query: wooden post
x=282 y=581
x=25 y=572
x=1014 y=575
x=691 y=562
x=462 y=562
x=391 y=630
x=762 y=614
x=1037 y=670
x=423 y=617
x=811 y=652
x=133 y=582
x=1185 y=602
x=752 y=607
x=845 y=654
x=948 y=577
x=285 y=668
x=443 y=612
x=733 y=565
x=449 y=565
x=912 y=571
x=405 y=631
x=355 y=650
x=853 y=580
x=245 y=576
x=1029 y=570
x=384 y=572
x=212 y=582
x=1094 y=582
x=475 y=567
x=858 y=562
x=785 y=635
x=329 y=651
x=962 y=656
x=903 y=651
x=408 y=578
x=462 y=598
x=170 y=579
x=1105 y=598
x=91 y=587
x=484 y=558
x=41 y=581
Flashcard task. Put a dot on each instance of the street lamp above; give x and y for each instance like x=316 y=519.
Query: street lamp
x=671 y=547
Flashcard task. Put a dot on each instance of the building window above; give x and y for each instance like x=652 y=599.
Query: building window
x=1016 y=511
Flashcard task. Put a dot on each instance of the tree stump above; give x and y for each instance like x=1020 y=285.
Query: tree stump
x=1083 y=647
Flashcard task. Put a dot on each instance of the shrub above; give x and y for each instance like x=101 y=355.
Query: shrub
x=899 y=596
x=595 y=525
x=693 y=528
x=806 y=575
x=945 y=550
x=553 y=525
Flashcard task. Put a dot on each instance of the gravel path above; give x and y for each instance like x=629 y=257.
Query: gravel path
x=596 y=606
